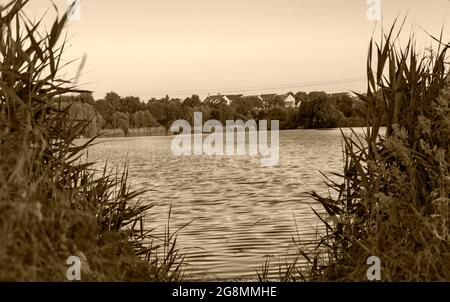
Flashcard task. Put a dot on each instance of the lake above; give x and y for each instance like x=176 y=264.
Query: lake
x=242 y=213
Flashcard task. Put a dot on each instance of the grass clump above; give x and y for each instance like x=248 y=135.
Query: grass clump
x=53 y=205
x=394 y=198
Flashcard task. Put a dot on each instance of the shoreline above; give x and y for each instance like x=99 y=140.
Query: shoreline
x=157 y=131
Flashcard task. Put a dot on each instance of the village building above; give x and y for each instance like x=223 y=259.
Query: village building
x=267 y=100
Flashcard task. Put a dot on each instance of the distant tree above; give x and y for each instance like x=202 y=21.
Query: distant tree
x=206 y=113
x=86 y=97
x=130 y=104
x=319 y=112
x=344 y=103
x=113 y=99
x=276 y=113
x=316 y=94
x=219 y=113
x=277 y=101
x=193 y=101
x=246 y=105
x=157 y=110
x=106 y=110
x=188 y=113
x=291 y=119
x=300 y=97
x=256 y=102
x=120 y=120
x=85 y=112
x=174 y=111
x=143 y=119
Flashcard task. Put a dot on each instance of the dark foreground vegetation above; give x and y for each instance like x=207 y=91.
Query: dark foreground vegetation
x=393 y=200
x=52 y=204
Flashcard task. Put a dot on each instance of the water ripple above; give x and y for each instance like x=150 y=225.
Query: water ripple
x=241 y=213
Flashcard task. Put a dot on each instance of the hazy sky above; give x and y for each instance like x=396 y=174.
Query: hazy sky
x=152 y=48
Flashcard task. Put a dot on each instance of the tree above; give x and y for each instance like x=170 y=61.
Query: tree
x=86 y=97
x=106 y=110
x=277 y=101
x=219 y=114
x=319 y=112
x=300 y=97
x=291 y=119
x=84 y=112
x=143 y=119
x=345 y=103
x=113 y=99
x=174 y=111
x=83 y=97
x=276 y=113
x=120 y=120
x=193 y=101
x=130 y=104
x=156 y=108
x=246 y=105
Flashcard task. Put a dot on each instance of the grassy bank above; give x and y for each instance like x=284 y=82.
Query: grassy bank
x=393 y=200
x=52 y=204
x=151 y=131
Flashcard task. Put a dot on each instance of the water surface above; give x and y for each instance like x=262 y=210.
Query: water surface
x=241 y=213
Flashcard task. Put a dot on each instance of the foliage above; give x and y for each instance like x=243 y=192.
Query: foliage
x=319 y=112
x=122 y=121
x=393 y=201
x=193 y=101
x=52 y=204
x=84 y=112
x=143 y=119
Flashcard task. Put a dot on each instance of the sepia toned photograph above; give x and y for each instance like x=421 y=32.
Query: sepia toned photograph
x=244 y=141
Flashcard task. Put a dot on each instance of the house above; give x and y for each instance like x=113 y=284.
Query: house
x=267 y=100
x=221 y=99
x=288 y=100
x=234 y=97
x=217 y=99
x=253 y=97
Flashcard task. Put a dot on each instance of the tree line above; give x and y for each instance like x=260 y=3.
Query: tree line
x=317 y=110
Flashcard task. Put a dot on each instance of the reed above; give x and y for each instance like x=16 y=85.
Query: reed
x=394 y=197
x=52 y=204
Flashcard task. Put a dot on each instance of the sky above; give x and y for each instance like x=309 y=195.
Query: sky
x=153 y=48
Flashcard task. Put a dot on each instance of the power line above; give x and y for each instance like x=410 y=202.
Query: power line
x=259 y=88
x=302 y=85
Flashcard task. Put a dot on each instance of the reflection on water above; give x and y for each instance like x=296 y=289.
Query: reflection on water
x=242 y=213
